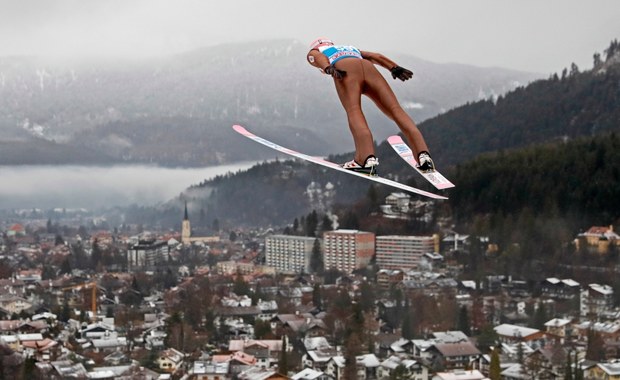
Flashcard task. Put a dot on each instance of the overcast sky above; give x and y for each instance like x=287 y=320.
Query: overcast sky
x=535 y=35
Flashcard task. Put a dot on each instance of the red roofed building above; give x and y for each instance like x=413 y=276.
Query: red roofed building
x=16 y=230
x=601 y=238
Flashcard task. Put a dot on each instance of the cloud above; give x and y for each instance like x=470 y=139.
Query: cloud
x=95 y=187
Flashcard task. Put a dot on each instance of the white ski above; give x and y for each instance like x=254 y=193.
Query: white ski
x=434 y=177
x=317 y=160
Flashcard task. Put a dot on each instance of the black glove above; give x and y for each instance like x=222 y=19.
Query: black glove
x=334 y=72
x=401 y=73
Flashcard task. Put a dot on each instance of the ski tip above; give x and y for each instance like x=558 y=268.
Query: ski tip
x=239 y=128
x=395 y=139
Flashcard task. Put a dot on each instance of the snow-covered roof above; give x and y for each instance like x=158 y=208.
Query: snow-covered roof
x=557 y=322
x=515 y=331
x=611 y=369
x=307 y=374
x=603 y=289
x=368 y=360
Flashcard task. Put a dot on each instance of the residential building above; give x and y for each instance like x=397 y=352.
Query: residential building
x=169 y=360
x=289 y=253
x=456 y=355
x=601 y=238
x=558 y=327
x=596 y=299
x=607 y=371
x=460 y=375
x=147 y=254
x=560 y=289
x=514 y=334
x=403 y=252
x=388 y=278
x=348 y=250
x=414 y=369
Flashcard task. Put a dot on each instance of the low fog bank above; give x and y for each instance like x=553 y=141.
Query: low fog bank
x=99 y=187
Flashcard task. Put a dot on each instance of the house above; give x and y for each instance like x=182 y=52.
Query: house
x=170 y=360
x=320 y=359
x=596 y=299
x=607 y=330
x=14 y=304
x=310 y=374
x=367 y=366
x=305 y=323
x=238 y=362
x=600 y=238
x=558 y=327
x=607 y=371
x=266 y=352
x=387 y=278
x=513 y=334
x=208 y=370
x=560 y=289
x=335 y=367
x=546 y=362
x=66 y=369
x=460 y=375
x=97 y=330
x=261 y=374
x=127 y=371
x=42 y=350
x=456 y=355
x=413 y=369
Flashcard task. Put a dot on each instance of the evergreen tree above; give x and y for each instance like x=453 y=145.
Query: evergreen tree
x=316 y=258
x=326 y=224
x=488 y=337
x=96 y=255
x=241 y=287
x=568 y=370
x=399 y=373
x=595 y=350
x=407 y=325
x=316 y=296
x=540 y=317
x=494 y=367
x=463 y=321
x=283 y=362
x=312 y=223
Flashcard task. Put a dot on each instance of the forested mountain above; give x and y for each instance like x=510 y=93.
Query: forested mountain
x=562 y=107
x=178 y=110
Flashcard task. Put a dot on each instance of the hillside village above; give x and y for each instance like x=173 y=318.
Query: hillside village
x=82 y=300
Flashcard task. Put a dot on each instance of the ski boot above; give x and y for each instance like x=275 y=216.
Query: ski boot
x=369 y=167
x=426 y=164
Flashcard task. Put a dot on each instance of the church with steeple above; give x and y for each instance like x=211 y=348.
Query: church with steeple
x=186 y=232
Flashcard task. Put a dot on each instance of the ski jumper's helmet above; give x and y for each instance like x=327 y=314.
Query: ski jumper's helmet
x=320 y=42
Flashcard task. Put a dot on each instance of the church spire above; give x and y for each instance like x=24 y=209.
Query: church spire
x=186 y=229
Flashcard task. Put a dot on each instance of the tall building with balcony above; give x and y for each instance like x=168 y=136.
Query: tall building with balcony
x=596 y=299
x=347 y=250
x=403 y=252
x=148 y=254
x=288 y=253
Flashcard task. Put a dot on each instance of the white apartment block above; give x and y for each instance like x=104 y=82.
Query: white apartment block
x=288 y=253
x=403 y=252
x=347 y=250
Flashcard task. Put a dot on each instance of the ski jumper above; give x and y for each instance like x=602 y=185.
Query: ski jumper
x=361 y=77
